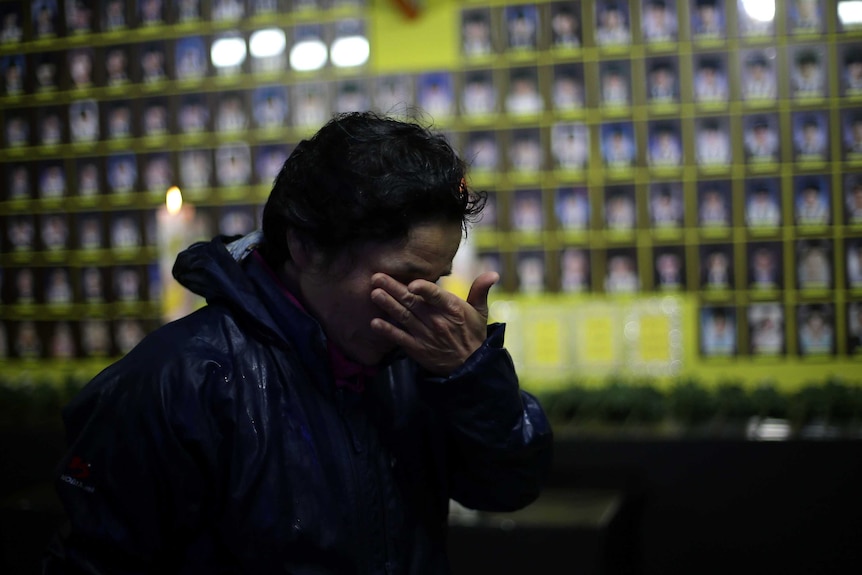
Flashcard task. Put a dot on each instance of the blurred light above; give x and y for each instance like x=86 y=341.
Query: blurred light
x=228 y=52
x=308 y=55
x=174 y=200
x=850 y=12
x=768 y=429
x=267 y=43
x=350 y=51
x=760 y=10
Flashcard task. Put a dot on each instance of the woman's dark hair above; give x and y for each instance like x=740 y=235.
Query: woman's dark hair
x=365 y=177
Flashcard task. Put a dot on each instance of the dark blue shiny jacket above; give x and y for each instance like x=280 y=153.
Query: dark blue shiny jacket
x=220 y=444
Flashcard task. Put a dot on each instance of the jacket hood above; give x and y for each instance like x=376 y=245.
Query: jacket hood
x=226 y=272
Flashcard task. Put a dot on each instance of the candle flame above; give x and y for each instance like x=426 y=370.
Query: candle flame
x=174 y=200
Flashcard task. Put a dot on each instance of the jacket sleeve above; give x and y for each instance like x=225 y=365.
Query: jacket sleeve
x=136 y=481
x=500 y=441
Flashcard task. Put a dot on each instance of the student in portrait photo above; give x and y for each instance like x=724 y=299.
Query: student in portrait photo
x=525 y=150
x=570 y=145
x=572 y=207
x=61 y=341
x=714 y=207
x=155 y=117
x=707 y=19
x=268 y=161
x=193 y=115
x=854 y=263
x=128 y=332
x=816 y=329
x=612 y=23
x=527 y=211
x=17 y=130
x=45 y=17
x=664 y=145
x=758 y=76
x=114 y=15
x=21 y=232
x=152 y=62
x=233 y=164
x=566 y=24
x=435 y=94
x=659 y=20
x=854 y=328
x=95 y=338
x=716 y=266
x=236 y=220
x=479 y=96
x=851 y=74
x=666 y=205
x=805 y=16
x=28 y=341
x=482 y=150
x=530 y=272
x=79 y=16
x=523 y=96
x=157 y=172
x=762 y=204
x=52 y=180
x=11 y=20
x=853 y=199
x=270 y=108
x=810 y=136
x=93 y=285
x=13 y=68
x=808 y=72
x=18 y=185
x=764 y=266
x=117 y=65
x=84 y=120
x=196 y=169
x=712 y=142
x=127 y=284
x=567 y=90
x=669 y=267
x=662 y=86
x=351 y=96
x=761 y=138
x=814 y=264
x=620 y=209
x=46 y=67
x=574 y=270
x=718 y=331
x=852 y=133
x=476 y=32
x=489 y=219
x=224 y=10
x=81 y=63
x=618 y=145
x=190 y=58
x=393 y=94
x=50 y=127
x=90 y=232
x=812 y=201
x=187 y=10
x=119 y=119
x=122 y=173
x=766 y=328
x=231 y=115
x=54 y=232
x=58 y=286
x=522 y=24
x=622 y=271
x=25 y=288
x=615 y=83
x=125 y=230
x=151 y=12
